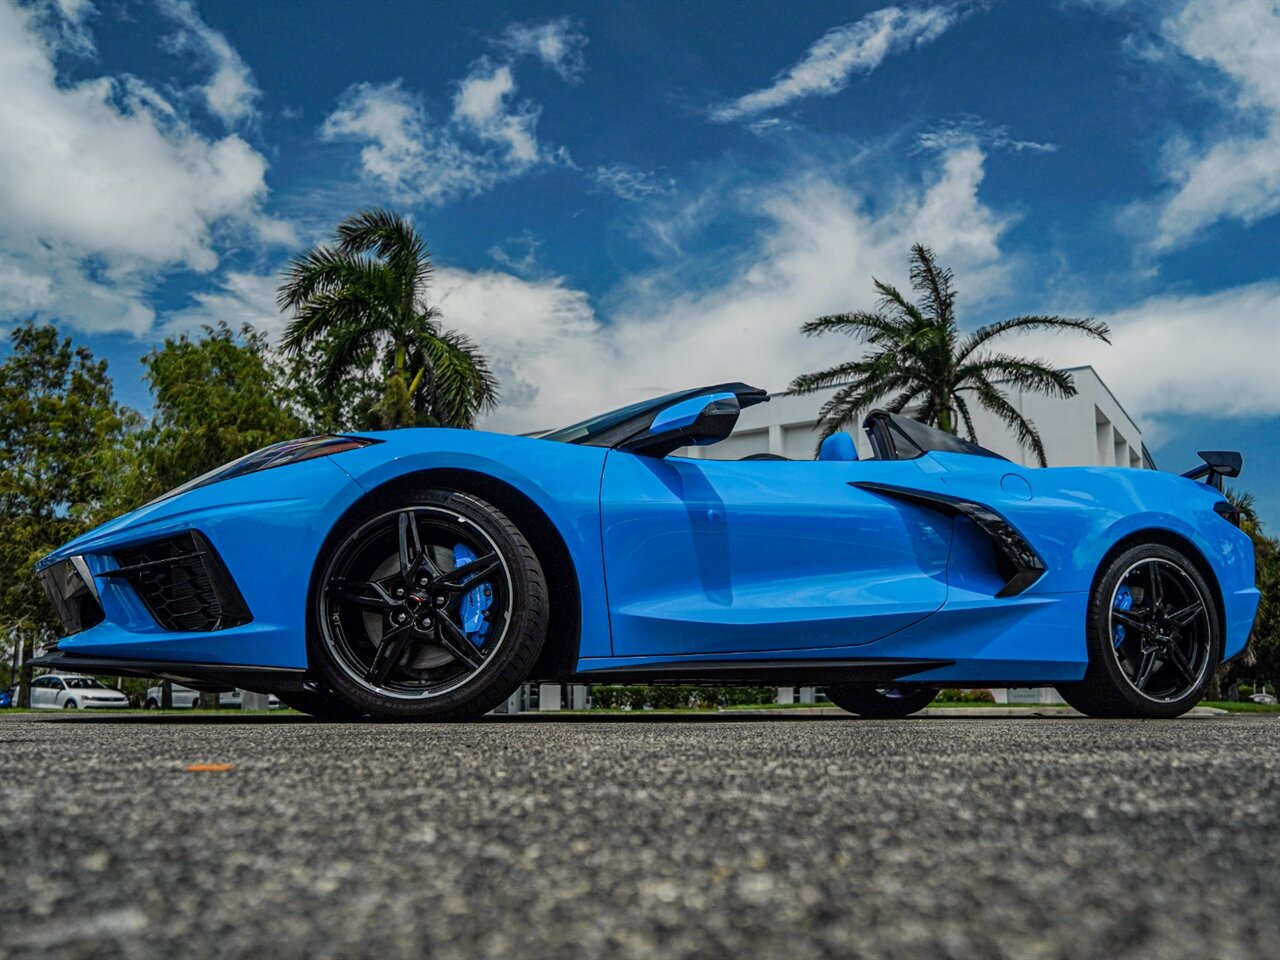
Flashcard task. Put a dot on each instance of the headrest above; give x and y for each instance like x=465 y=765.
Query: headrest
x=838 y=446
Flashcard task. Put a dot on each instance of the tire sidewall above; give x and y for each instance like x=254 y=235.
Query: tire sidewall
x=865 y=700
x=1104 y=670
x=523 y=640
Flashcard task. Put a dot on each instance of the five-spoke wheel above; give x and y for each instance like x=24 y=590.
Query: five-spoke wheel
x=430 y=607
x=1153 y=637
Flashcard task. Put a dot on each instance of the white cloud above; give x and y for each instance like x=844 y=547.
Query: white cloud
x=488 y=138
x=561 y=361
x=481 y=106
x=240 y=297
x=557 y=43
x=1237 y=174
x=857 y=47
x=631 y=183
x=1172 y=355
x=954 y=133
x=231 y=91
x=105 y=187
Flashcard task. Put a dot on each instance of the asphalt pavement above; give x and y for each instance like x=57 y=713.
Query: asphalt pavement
x=639 y=837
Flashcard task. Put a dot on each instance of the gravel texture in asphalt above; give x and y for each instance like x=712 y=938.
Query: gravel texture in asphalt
x=639 y=837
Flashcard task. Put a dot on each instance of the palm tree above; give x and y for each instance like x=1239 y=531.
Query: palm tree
x=361 y=302
x=920 y=359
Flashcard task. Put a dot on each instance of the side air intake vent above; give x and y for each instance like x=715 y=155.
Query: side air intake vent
x=1015 y=558
x=183 y=583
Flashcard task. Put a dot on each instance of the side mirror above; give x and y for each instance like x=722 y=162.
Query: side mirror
x=697 y=421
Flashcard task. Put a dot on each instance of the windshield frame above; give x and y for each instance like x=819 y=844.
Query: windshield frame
x=616 y=427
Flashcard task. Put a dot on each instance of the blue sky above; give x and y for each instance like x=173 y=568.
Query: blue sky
x=630 y=197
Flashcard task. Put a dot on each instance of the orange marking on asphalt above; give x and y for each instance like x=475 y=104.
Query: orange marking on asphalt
x=211 y=767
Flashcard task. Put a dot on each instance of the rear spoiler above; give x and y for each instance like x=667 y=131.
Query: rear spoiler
x=1217 y=464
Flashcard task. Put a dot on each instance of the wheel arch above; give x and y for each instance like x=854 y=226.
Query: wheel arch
x=559 y=655
x=1174 y=541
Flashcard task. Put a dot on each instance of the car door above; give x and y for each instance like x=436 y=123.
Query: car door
x=705 y=556
x=44 y=692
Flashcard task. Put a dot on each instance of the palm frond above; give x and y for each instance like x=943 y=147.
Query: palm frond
x=459 y=385
x=892 y=301
x=864 y=323
x=1023 y=429
x=934 y=284
x=1033 y=375
x=1087 y=325
x=970 y=434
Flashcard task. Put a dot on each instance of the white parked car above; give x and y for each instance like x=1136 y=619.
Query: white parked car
x=74 y=693
x=1264 y=698
x=184 y=698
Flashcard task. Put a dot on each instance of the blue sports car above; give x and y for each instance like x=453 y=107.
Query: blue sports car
x=424 y=574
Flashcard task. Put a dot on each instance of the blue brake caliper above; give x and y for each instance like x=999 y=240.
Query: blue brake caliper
x=1124 y=600
x=474 y=603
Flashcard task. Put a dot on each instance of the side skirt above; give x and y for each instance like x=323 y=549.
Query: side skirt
x=207 y=676
x=761 y=672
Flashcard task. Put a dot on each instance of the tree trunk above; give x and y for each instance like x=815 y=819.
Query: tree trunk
x=208 y=701
x=166 y=695
x=24 y=673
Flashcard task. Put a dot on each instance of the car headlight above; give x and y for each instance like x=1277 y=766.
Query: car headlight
x=276 y=455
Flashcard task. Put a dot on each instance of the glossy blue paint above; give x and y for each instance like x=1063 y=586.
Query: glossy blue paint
x=689 y=560
x=838 y=446
x=725 y=556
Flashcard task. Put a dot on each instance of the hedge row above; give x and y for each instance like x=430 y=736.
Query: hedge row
x=675 y=697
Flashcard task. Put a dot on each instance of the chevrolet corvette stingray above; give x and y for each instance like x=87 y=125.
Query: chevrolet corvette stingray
x=426 y=573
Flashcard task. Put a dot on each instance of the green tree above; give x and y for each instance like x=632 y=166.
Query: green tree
x=919 y=358
x=362 y=302
x=1263 y=658
x=217 y=397
x=60 y=428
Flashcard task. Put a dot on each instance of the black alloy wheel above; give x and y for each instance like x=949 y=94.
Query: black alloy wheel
x=880 y=703
x=433 y=606
x=1154 y=637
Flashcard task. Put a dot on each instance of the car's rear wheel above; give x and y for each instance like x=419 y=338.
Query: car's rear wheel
x=1153 y=634
x=880 y=703
x=428 y=606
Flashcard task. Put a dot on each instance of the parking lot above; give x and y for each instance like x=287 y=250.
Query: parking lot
x=639 y=837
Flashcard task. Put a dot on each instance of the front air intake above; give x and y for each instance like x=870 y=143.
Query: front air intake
x=183 y=583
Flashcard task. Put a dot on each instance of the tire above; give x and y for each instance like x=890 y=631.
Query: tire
x=152 y=704
x=1153 y=634
x=321 y=706
x=880 y=703
x=398 y=632
x=71 y=705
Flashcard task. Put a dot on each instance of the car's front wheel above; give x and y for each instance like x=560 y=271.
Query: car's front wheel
x=429 y=606
x=1153 y=635
x=880 y=703
x=71 y=705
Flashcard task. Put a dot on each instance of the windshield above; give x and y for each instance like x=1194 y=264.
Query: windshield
x=583 y=432
x=612 y=428
x=84 y=683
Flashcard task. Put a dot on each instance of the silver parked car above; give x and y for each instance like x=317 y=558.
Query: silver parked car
x=57 y=692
